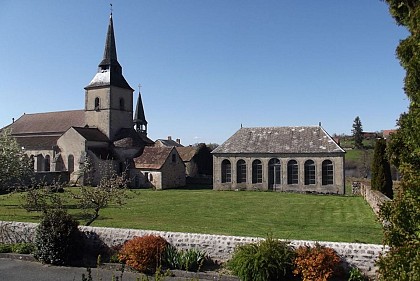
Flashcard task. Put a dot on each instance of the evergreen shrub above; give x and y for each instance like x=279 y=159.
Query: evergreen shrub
x=58 y=240
x=269 y=259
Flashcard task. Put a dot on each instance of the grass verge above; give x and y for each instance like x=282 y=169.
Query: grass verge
x=284 y=215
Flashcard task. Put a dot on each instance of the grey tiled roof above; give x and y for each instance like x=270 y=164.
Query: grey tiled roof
x=37 y=142
x=305 y=139
x=153 y=157
x=48 y=122
x=91 y=134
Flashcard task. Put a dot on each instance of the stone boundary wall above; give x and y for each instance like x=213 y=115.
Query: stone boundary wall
x=374 y=198
x=218 y=247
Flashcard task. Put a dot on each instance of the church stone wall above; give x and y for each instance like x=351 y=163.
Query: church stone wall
x=72 y=144
x=109 y=117
x=336 y=188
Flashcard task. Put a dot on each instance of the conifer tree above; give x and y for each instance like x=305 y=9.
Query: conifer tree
x=358 y=132
x=381 y=169
x=402 y=215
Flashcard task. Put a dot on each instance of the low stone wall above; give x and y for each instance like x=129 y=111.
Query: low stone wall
x=374 y=198
x=218 y=247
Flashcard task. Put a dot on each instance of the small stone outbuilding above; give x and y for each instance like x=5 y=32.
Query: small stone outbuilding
x=159 y=168
x=297 y=159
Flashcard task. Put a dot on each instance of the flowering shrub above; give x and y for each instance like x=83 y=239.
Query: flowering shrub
x=143 y=253
x=315 y=264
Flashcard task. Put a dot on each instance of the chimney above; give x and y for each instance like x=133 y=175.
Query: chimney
x=13 y=120
x=178 y=141
x=169 y=138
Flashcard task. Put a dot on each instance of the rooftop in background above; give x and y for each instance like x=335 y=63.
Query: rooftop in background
x=304 y=139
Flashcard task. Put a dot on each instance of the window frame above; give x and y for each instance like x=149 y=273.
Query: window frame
x=310 y=172
x=292 y=172
x=226 y=171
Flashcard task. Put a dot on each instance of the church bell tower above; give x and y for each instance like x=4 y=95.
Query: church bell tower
x=108 y=97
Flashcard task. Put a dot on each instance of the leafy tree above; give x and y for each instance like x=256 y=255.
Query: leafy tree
x=357 y=132
x=112 y=188
x=381 y=169
x=15 y=167
x=402 y=215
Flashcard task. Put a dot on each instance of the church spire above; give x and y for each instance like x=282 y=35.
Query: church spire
x=110 y=51
x=109 y=69
x=139 y=117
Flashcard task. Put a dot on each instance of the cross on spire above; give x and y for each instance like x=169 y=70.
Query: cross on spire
x=111 y=8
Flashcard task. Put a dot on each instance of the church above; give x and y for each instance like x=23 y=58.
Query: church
x=103 y=134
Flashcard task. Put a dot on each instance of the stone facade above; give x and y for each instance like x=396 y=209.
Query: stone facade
x=218 y=247
x=293 y=159
x=336 y=188
x=159 y=168
x=115 y=110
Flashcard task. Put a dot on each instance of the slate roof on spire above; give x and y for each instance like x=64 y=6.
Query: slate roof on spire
x=139 y=116
x=110 y=51
x=109 y=69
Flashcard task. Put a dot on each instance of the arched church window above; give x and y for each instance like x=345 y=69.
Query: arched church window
x=122 y=104
x=97 y=102
x=47 y=163
x=70 y=163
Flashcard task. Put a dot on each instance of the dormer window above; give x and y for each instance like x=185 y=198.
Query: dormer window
x=97 y=102
x=122 y=104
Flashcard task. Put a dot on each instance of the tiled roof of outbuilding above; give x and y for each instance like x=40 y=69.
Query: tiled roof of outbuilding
x=48 y=122
x=187 y=153
x=153 y=157
x=304 y=139
x=169 y=143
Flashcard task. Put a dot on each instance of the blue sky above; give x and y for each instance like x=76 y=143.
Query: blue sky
x=206 y=67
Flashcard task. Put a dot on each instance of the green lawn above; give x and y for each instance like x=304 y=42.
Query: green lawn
x=285 y=215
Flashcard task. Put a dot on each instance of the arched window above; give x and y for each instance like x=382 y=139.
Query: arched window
x=97 y=103
x=70 y=163
x=309 y=172
x=47 y=163
x=274 y=178
x=241 y=171
x=327 y=172
x=256 y=171
x=292 y=172
x=226 y=171
x=122 y=104
x=32 y=161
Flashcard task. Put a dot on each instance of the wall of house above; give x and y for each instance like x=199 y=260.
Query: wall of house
x=218 y=247
x=173 y=172
x=336 y=188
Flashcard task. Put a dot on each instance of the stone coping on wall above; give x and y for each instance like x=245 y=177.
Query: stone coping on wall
x=374 y=198
x=217 y=247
